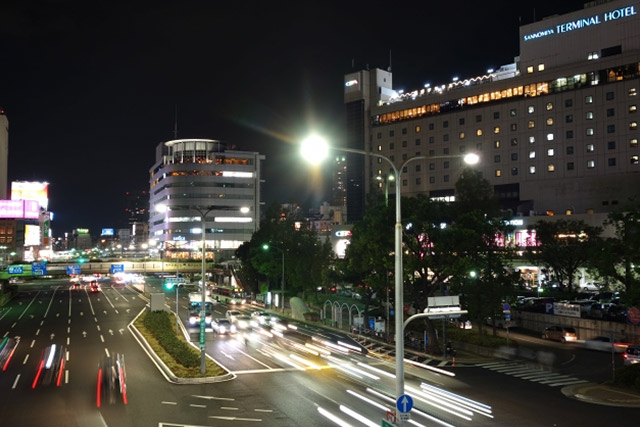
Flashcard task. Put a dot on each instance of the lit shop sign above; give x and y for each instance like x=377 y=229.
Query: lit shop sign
x=343 y=233
x=82 y=230
x=20 y=209
x=22 y=190
x=107 y=232
x=613 y=15
x=31 y=235
x=350 y=83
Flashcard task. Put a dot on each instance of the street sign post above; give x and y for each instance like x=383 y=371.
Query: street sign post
x=404 y=404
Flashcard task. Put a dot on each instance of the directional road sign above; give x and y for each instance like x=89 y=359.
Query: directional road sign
x=404 y=403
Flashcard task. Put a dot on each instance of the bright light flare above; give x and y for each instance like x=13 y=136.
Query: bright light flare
x=333 y=418
x=314 y=149
x=52 y=353
x=429 y=367
x=471 y=159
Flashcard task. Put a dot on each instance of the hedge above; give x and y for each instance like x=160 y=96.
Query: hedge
x=160 y=325
x=628 y=376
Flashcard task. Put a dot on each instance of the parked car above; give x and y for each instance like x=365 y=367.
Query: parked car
x=560 y=333
x=631 y=355
x=605 y=344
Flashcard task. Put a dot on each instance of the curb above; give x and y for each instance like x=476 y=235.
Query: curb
x=574 y=392
x=164 y=369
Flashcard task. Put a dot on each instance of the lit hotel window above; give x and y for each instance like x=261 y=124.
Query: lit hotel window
x=532 y=154
x=633 y=143
x=532 y=169
x=589 y=131
x=549 y=121
x=551 y=168
x=633 y=125
x=479 y=132
x=589 y=115
x=633 y=108
x=530 y=69
x=531 y=124
x=551 y=152
x=417 y=129
x=496 y=129
x=514 y=126
x=499 y=172
x=549 y=106
x=633 y=91
x=531 y=109
x=590 y=148
x=568 y=212
x=496 y=144
x=532 y=139
x=550 y=213
x=591 y=164
x=634 y=160
x=593 y=55
x=540 y=67
x=379 y=147
x=461 y=135
x=588 y=99
x=550 y=137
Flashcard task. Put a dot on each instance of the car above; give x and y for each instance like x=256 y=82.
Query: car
x=260 y=317
x=560 y=333
x=94 y=287
x=501 y=323
x=243 y=322
x=223 y=326
x=231 y=315
x=631 y=355
x=605 y=344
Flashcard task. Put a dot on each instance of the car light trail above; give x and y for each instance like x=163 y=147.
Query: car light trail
x=52 y=353
x=60 y=373
x=441 y=404
x=35 y=380
x=369 y=401
x=477 y=407
x=364 y=420
x=414 y=410
x=431 y=368
x=304 y=361
x=6 y=364
x=98 y=394
x=333 y=418
x=378 y=370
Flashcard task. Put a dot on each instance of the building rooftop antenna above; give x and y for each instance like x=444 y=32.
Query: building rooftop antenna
x=175 y=123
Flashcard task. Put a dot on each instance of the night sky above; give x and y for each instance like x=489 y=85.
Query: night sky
x=90 y=88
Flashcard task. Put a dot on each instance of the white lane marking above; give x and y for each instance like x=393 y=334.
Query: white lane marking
x=66 y=376
x=69 y=321
x=107 y=351
x=5 y=313
x=109 y=301
x=15 y=383
x=68 y=329
x=67 y=355
x=38 y=332
x=70 y=305
x=68 y=339
x=41 y=322
x=32 y=343
x=5 y=334
x=25 y=359
x=213 y=397
x=14 y=324
x=50 y=301
x=101 y=337
x=193 y=405
x=98 y=326
x=235 y=418
x=229 y=408
x=29 y=305
x=254 y=359
x=116 y=291
x=263 y=410
x=169 y=403
x=90 y=303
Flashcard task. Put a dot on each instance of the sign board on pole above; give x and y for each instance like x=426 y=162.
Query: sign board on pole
x=386 y=423
x=404 y=404
x=39 y=269
x=391 y=416
x=116 y=268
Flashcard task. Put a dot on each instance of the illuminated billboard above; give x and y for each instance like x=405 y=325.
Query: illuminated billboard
x=24 y=190
x=31 y=235
x=19 y=209
x=107 y=232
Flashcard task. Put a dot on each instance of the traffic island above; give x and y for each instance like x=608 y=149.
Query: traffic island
x=176 y=358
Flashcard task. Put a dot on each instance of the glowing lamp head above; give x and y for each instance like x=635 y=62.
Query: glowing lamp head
x=471 y=159
x=314 y=149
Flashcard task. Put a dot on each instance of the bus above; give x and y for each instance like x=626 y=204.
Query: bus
x=229 y=294
x=195 y=307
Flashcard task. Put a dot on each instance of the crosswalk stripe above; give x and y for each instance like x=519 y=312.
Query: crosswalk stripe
x=568 y=383
x=528 y=373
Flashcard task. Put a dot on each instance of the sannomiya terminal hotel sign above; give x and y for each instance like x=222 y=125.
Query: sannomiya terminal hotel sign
x=589 y=21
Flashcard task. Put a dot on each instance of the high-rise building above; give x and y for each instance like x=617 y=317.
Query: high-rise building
x=557 y=130
x=137 y=211
x=338 y=181
x=4 y=155
x=196 y=178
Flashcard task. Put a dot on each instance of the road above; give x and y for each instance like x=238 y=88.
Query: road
x=276 y=384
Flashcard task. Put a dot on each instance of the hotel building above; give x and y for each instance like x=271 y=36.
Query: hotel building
x=196 y=178
x=556 y=131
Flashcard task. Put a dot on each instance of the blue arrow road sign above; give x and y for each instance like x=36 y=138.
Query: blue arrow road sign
x=404 y=403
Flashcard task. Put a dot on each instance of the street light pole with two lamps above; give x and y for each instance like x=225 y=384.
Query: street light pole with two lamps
x=315 y=149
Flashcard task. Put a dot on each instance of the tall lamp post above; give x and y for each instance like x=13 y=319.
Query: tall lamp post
x=315 y=149
x=266 y=247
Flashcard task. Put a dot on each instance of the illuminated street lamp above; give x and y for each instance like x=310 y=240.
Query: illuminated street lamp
x=266 y=247
x=315 y=149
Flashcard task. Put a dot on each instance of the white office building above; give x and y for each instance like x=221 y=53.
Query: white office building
x=202 y=181
x=556 y=130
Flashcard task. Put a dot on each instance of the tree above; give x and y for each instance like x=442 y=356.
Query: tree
x=564 y=246
x=619 y=257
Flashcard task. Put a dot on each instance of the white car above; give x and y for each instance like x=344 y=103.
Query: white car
x=232 y=315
